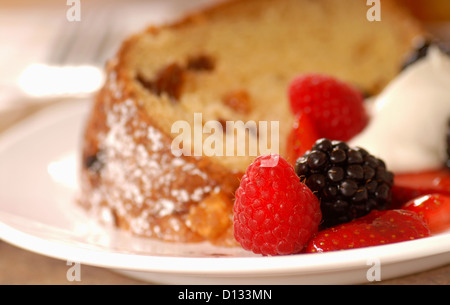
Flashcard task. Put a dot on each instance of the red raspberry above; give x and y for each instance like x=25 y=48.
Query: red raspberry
x=336 y=107
x=274 y=213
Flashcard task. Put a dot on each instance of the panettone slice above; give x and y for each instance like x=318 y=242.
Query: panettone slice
x=229 y=63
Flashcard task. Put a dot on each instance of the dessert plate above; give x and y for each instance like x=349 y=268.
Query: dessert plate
x=38 y=189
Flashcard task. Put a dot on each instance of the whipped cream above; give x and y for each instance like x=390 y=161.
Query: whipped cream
x=409 y=118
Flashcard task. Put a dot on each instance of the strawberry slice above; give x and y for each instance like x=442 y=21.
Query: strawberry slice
x=410 y=186
x=434 y=208
x=301 y=138
x=376 y=228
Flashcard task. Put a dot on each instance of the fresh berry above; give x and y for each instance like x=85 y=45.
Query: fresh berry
x=336 y=108
x=349 y=182
x=274 y=214
x=376 y=228
x=434 y=208
x=301 y=138
x=420 y=51
x=410 y=186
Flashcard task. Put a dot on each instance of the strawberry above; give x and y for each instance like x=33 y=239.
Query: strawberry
x=301 y=138
x=434 y=208
x=376 y=228
x=412 y=185
x=336 y=108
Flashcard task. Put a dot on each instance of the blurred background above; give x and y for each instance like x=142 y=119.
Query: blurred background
x=435 y=15
x=51 y=50
x=429 y=10
x=46 y=57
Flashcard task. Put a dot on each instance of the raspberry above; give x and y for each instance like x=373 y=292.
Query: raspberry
x=349 y=182
x=274 y=213
x=336 y=108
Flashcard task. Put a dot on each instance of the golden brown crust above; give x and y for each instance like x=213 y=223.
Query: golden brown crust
x=173 y=184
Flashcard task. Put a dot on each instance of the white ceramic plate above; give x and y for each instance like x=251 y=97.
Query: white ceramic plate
x=38 y=186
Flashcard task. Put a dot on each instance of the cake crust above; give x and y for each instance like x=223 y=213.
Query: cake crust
x=135 y=182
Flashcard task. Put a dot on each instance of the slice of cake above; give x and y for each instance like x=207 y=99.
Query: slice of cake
x=230 y=63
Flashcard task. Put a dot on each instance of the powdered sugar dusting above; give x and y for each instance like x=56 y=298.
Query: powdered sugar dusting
x=141 y=181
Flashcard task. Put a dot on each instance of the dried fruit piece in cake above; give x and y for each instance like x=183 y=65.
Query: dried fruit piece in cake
x=274 y=214
x=376 y=228
x=301 y=138
x=349 y=182
x=336 y=108
x=200 y=62
x=434 y=208
x=169 y=80
x=238 y=100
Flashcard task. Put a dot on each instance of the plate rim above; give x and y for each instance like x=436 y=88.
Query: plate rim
x=291 y=264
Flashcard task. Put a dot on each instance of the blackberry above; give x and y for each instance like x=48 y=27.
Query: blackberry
x=349 y=182
x=421 y=50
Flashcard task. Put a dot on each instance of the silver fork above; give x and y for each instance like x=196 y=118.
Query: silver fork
x=75 y=62
x=83 y=42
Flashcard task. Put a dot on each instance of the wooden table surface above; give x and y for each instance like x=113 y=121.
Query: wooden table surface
x=21 y=267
